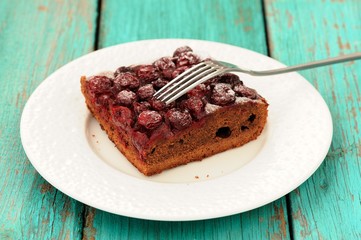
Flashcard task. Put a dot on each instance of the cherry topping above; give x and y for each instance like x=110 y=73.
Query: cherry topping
x=168 y=73
x=126 y=80
x=244 y=91
x=147 y=73
x=122 y=70
x=223 y=94
x=157 y=104
x=140 y=107
x=181 y=50
x=122 y=116
x=99 y=84
x=163 y=131
x=139 y=140
x=149 y=119
x=198 y=91
x=166 y=66
x=104 y=100
x=212 y=81
x=146 y=91
x=158 y=84
x=230 y=78
x=126 y=97
x=187 y=58
x=179 y=119
x=164 y=63
x=178 y=71
x=195 y=106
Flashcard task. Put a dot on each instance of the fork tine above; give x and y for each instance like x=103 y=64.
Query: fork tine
x=189 y=85
x=188 y=80
x=180 y=79
x=185 y=76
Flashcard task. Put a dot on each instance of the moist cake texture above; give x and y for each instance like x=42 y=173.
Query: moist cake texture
x=220 y=114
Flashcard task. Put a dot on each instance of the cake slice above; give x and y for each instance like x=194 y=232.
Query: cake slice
x=220 y=114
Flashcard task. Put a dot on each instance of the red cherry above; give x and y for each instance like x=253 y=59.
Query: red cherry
x=187 y=59
x=181 y=50
x=147 y=73
x=122 y=116
x=244 y=91
x=146 y=91
x=140 y=107
x=195 y=106
x=126 y=80
x=164 y=63
x=99 y=84
x=179 y=119
x=125 y=98
x=149 y=119
x=223 y=94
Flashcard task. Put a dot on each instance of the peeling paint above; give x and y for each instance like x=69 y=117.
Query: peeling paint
x=42 y=8
x=280 y=216
x=46 y=187
x=342 y=45
x=298 y=216
x=289 y=19
x=89 y=231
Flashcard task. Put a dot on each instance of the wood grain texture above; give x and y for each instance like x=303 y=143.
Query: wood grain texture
x=36 y=38
x=328 y=205
x=230 y=21
x=235 y=22
x=268 y=222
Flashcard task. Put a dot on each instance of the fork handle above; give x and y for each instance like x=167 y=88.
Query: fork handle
x=329 y=61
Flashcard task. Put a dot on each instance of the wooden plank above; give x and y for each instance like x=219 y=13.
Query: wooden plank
x=327 y=206
x=36 y=37
x=234 y=22
x=268 y=222
x=230 y=21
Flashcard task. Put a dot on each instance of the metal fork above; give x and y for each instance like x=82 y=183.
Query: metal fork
x=208 y=69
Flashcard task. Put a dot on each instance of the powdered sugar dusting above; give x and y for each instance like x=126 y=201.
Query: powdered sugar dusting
x=246 y=99
x=242 y=99
x=210 y=108
x=179 y=119
x=223 y=94
x=126 y=97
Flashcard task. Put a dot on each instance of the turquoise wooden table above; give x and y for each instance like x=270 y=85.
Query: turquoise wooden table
x=39 y=36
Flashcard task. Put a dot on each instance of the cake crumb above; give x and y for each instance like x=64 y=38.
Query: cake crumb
x=196 y=177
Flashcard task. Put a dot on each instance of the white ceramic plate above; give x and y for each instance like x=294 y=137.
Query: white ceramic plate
x=67 y=147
